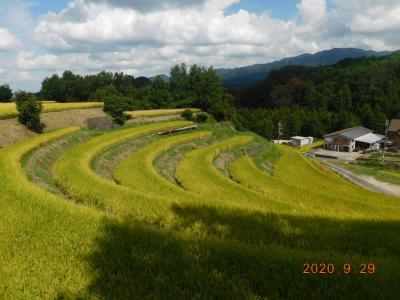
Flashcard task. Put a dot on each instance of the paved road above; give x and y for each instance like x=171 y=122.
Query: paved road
x=375 y=185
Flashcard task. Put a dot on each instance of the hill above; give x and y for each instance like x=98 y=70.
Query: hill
x=244 y=76
x=317 y=100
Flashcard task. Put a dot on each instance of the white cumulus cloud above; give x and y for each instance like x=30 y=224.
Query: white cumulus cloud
x=8 y=41
x=147 y=37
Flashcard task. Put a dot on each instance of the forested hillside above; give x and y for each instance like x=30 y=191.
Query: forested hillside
x=314 y=101
x=245 y=76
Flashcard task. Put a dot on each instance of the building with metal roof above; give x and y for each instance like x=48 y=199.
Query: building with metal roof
x=351 y=139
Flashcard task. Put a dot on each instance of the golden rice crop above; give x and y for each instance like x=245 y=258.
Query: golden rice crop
x=197 y=174
x=137 y=171
x=43 y=237
x=158 y=112
x=73 y=173
x=310 y=198
x=9 y=110
x=303 y=173
x=253 y=247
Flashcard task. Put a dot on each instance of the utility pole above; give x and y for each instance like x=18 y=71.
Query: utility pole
x=279 y=132
x=384 y=141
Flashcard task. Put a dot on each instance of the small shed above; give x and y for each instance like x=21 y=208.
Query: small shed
x=299 y=141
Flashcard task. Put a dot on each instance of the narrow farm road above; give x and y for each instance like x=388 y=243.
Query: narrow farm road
x=366 y=182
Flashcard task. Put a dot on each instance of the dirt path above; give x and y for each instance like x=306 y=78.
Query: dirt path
x=366 y=182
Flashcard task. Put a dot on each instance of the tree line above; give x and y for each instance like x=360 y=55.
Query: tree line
x=193 y=86
x=306 y=100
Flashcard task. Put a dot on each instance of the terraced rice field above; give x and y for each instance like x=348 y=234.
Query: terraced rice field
x=158 y=112
x=8 y=110
x=206 y=214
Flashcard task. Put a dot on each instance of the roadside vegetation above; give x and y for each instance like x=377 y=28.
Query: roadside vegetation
x=382 y=173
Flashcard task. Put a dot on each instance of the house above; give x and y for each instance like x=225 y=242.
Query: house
x=353 y=139
x=298 y=141
x=394 y=132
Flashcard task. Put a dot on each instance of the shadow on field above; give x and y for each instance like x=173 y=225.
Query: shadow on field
x=225 y=254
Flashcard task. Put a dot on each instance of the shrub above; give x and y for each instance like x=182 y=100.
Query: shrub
x=201 y=118
x=187 y=115
x=29 y=109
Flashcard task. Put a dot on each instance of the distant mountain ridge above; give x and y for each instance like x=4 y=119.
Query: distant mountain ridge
x=245 y=76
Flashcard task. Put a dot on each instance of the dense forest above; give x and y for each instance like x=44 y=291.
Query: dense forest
x=306 y=100
x=314 y=101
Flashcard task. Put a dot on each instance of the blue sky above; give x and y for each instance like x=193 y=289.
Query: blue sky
x=285 y=9
x=40 y=7
x=147 y=37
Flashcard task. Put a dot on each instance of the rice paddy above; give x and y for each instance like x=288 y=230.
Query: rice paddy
x=9 y=110
x=242 y=231
x=158 y=112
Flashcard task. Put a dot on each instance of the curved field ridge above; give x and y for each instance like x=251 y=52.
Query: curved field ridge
x=137 y=171
x=9 y=110
x=74 y=175
x=197 y=174
x=312 y=197
x=43 y=237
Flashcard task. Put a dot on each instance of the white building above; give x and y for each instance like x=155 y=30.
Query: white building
x=299 y=141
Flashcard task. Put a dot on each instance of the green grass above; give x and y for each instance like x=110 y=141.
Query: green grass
x=9 y=110
x=245 y=237
x=380 y=173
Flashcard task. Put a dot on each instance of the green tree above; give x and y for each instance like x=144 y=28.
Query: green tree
x=116 y=106
x=104 y=92
x=160 y=94
x=29 y=109
x=268 y=129
x=281 y=96
x=5 y=93
x=53 y=88
x=179 y=82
